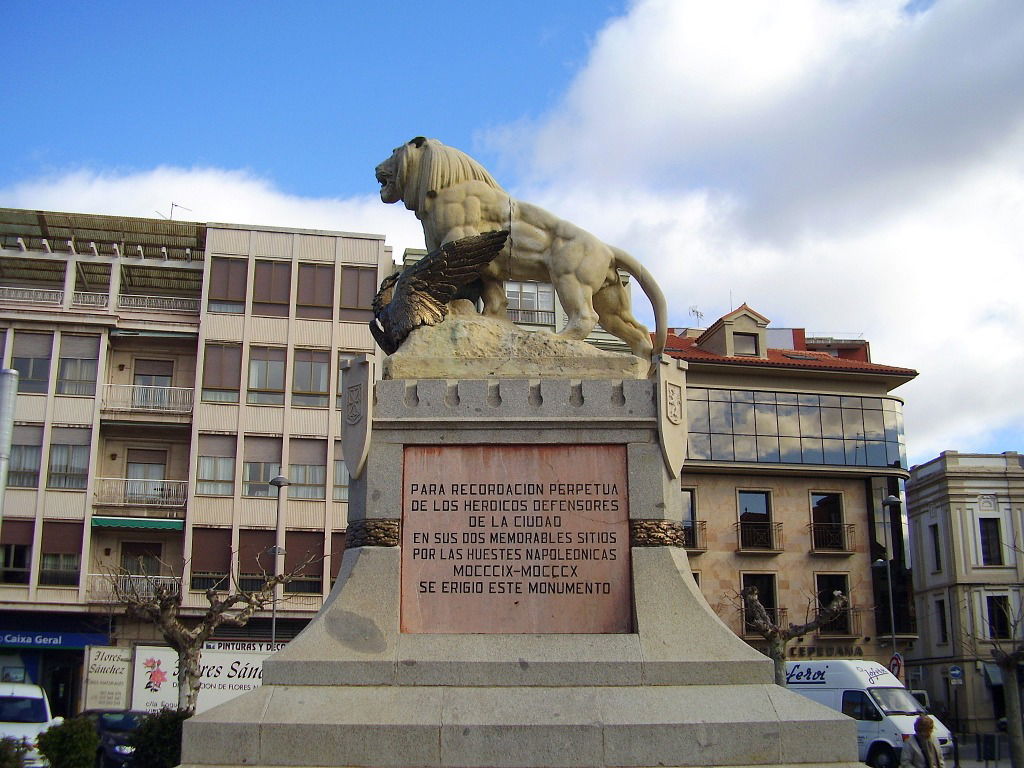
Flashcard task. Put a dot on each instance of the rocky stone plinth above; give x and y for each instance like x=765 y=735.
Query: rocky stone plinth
x=469 y=346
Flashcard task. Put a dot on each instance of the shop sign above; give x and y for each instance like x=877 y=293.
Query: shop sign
x=43 y=640
x=826 y=651
x=107 y=671
x=224 y=674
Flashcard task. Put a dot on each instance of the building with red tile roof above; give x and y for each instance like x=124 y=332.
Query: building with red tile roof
x=793 y=443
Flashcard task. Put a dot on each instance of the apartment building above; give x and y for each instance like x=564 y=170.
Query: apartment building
x=967 y=525
x=168 y=371
x=794 y=443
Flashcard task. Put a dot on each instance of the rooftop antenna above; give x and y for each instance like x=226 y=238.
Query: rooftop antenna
x=173 y=206
x=697 y=314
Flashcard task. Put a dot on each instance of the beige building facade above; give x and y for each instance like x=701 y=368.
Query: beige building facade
x=793 y=445
x=168 y=371
x=967 y=525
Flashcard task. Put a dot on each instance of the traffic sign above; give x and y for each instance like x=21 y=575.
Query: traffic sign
x=956 y=672
x=896 y=664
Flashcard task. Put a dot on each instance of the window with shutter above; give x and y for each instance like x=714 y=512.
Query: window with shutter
x=76 y=369
x=222 y=373
x=215 y=468
x=26 y=455
x=69 y=458
x=31 y=359
x=271 y=288
x=61 y=547
x=307 y=469
x=211 y=558
x=358 y=287
x=266 y=375
x=315 y=291
x=227 y=286
x=310 y=374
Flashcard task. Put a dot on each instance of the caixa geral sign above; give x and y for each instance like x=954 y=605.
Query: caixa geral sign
x=51 y=639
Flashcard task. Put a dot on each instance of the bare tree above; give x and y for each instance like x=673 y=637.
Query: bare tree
x=757 y=618
x=157 y=600
x=1001 y=640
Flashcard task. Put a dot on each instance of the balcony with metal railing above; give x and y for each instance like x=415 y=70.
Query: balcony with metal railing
x=762 y=538
x=125 y=492
x=185 y=305
x=90 y=300
x=105 y=587
x=134 y=398
x=832 y=538
x=695 y=539
x=846 y=624
x=532 y=316
x=48 y=297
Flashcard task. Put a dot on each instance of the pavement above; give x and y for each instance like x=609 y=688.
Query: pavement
x=968 y=755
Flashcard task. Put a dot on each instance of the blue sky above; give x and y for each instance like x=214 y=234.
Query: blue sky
x=853 y=167
x=308 y=94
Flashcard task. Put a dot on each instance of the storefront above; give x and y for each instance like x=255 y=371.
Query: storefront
x=49 y=650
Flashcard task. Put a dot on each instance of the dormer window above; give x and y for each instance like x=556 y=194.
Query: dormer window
x=745 y=344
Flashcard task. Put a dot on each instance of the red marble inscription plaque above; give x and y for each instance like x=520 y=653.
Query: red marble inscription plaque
x=515 y=539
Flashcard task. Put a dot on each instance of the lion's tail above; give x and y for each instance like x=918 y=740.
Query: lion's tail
x=654 y=294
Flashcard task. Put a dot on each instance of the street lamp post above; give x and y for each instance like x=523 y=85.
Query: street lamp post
x=888 y=504
x=278 y=482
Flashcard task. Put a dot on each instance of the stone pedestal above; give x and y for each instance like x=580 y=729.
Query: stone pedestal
x=678 y=688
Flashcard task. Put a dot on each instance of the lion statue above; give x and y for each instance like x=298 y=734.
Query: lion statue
x=454 y=197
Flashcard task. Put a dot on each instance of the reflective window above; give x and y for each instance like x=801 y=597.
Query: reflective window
x=999 y=618
x=689 y=506
x=215 y=475
x=794 y=428
x=991 y=541
x=308 y=481
x=341 y=480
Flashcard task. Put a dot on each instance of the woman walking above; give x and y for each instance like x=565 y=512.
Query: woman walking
x=922 y=749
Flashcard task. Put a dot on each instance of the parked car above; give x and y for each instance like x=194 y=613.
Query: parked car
x=115 y=727
x=24 y=714
x=866 y=691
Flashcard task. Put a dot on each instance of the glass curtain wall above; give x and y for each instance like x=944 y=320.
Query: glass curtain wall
x=794 y=428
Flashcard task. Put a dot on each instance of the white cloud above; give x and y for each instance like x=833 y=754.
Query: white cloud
x=213 y=195
x=841 y=166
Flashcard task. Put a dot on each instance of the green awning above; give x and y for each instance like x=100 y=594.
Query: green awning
x=137 y=522
x=993 y=673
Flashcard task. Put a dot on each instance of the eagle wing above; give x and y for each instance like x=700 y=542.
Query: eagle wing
x=421 y=293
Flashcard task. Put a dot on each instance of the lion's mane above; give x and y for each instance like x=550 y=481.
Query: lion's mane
x=427 y=165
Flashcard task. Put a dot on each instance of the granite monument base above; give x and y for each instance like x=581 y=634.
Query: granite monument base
x=674 y=686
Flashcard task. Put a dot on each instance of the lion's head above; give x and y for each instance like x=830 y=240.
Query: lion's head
x=422 y=167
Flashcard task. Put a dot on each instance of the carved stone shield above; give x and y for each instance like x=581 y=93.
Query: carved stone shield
x=357 y=414
x=672 y=413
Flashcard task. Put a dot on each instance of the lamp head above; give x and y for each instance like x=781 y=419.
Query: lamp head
x=280 y=480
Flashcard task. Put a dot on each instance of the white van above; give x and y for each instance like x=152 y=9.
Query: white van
x=869 y=693
x=24 y=714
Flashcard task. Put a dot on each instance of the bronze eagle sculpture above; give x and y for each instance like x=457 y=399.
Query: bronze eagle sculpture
x=419 y=294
